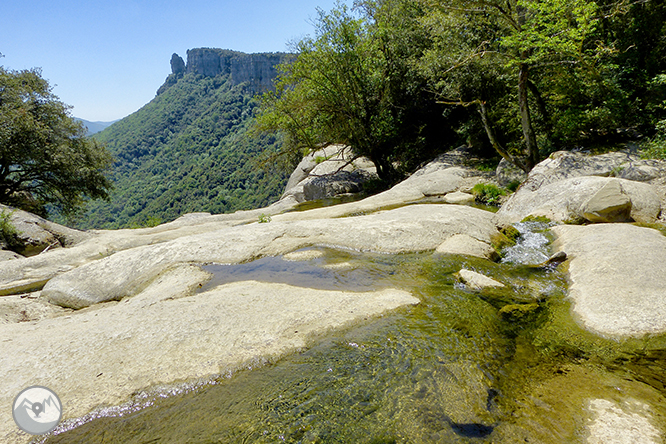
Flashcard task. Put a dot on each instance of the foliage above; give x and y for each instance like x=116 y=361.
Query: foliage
x=264 y=218
x=45 y=157
x=8 y=232
x=486 y=48
x=655 y=147
x=354 y=84
x=487 y=193
x=187 y=150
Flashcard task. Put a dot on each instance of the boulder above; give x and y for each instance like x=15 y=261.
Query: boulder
x=507 y=173
x=477 y=281
x=328 y=172
x=618 y=276
x=621 y=164
x=167 y=335
x=34 y=234
x=467 y=245
x=584 y=198
x=407 y=229
x=609 y=204
x=460 y=198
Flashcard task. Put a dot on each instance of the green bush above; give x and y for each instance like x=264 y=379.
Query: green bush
x=8 y=232
x=487 y=193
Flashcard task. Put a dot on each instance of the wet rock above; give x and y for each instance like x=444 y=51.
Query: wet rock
x=618 y=276
x=303 y=255
x=613 y=424
x=518 y=312
x=477 y=281
x=464 y=244
x=102 y=355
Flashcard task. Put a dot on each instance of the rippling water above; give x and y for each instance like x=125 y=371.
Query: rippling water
x=506 y=365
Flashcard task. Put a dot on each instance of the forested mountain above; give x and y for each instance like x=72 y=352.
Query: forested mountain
x=188 y=149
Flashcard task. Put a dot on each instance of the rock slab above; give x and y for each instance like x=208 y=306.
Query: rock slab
x=618 y=277
x=166 y=335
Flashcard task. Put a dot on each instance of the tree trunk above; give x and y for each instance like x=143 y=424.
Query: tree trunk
x=532 y=153
x=495 y=142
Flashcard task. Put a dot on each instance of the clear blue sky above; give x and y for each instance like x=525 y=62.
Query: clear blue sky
x=107 y=58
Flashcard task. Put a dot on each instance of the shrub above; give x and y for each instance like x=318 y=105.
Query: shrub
x=487 y=193
x=8 y=232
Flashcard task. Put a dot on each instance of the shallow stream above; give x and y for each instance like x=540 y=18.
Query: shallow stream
x=463 y=366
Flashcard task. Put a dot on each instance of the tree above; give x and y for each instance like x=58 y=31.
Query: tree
x=353 y=84
x=511 y=41
x=45 y=157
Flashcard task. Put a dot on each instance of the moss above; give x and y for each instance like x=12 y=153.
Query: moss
x=518 y=312
x=510 y=232
x=655 y=226
x=541 y=219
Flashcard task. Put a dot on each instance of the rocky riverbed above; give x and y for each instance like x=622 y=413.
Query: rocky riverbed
x=101 y=316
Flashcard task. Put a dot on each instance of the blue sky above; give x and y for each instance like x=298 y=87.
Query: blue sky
x=107 y=58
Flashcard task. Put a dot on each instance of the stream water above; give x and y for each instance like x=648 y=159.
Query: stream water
x=501 y=366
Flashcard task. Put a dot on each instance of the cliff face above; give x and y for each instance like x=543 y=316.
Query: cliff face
x=256 y=70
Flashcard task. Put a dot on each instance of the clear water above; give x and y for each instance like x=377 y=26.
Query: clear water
x=461 y=367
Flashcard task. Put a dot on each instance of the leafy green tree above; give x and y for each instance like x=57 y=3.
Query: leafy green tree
x=352 y=84
x=45 y=157
x=479 y=43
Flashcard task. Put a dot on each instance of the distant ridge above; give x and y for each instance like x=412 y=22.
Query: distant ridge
x=256 y=71
x=94 y=127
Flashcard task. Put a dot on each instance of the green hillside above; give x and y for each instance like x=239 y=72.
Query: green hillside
x=187 y=150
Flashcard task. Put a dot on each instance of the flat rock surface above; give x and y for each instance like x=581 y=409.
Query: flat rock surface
x=102 y=355
x=407 y=229
x=618 y=277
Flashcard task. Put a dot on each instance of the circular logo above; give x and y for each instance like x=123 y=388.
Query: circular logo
x=37 y=410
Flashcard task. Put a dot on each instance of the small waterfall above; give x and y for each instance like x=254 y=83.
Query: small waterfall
x=531 y=246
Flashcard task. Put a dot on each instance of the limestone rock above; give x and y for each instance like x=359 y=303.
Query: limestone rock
x=102 y=355
x=37 y=234
x=6 y=255
x=621 y=164
x=460 y=198
x=506 y=173
x=613 y=424
x=465 y=244
x=568 y=200
x=27 y=308
x=609 y=204
x=618 y=276
x=177 y=64
x=408 y=229
x=329 y=172
x=477 y=281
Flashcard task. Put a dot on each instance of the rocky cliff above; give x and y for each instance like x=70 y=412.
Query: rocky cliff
x=256 y=70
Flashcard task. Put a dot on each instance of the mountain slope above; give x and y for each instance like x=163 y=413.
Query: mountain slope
x=186 y=151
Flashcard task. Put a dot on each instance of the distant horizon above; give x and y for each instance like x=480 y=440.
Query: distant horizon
x=108 y=60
